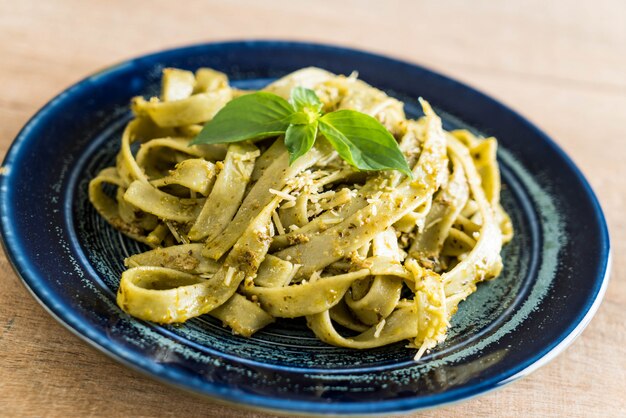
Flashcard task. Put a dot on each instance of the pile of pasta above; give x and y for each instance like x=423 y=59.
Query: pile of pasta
x=369 y=258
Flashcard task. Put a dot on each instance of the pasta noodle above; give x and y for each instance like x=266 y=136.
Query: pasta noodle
x=369 y=258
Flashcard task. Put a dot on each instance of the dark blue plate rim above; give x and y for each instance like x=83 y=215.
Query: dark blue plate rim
x=17 y=251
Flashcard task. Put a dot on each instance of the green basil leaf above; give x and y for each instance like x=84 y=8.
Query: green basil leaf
x=299 y=139
x=362 y=141
x=252 y=116
x=299 y=118
x=305 y=100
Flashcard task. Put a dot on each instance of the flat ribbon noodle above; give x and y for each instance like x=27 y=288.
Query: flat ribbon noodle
x=186 y=258
x=165 y=295
x=108 y=208
x=306 y=298
x=227 y=194
x=400 y=325
x=195 y=174
x=334 y=243
x=195 y=109
x=240 y=234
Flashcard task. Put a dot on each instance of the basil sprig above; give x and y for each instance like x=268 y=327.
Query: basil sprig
x=358 y=138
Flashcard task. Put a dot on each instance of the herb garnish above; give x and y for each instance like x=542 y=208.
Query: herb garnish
x=359 y=139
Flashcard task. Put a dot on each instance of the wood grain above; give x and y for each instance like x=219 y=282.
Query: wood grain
x=562 y=64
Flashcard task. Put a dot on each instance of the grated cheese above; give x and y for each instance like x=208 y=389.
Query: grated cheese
x=285 y=196
x=379 y=328
x=293 y=273
x=230 y=273
x=314 y=276
x=278 y=223
x=177 y=236
x=382 y=106
x=425 y=346
x=331 y=221
x=375 y=198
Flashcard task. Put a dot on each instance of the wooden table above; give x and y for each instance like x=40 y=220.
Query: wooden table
x=562 y=64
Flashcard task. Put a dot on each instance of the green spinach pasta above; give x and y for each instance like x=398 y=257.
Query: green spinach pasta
x=240 y=232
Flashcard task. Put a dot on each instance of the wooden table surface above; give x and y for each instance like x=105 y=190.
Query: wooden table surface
x=560 y=63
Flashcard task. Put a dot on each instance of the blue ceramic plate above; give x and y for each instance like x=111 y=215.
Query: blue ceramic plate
x=554 y=276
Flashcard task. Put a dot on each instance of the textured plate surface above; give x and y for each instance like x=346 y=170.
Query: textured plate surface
x=70 y=259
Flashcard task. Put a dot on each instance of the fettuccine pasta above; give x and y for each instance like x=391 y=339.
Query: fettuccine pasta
x=236 y=232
